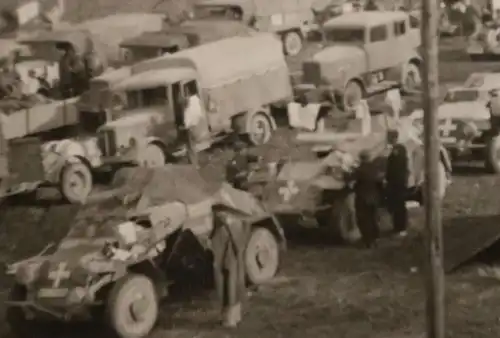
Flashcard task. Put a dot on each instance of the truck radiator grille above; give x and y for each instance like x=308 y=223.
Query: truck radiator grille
x=107 y=143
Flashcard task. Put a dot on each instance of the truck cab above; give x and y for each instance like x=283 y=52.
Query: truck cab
x=147 y=131
x=355 y=61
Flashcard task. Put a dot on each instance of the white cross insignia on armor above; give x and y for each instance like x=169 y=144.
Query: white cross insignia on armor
x=288 y=191
x=59 y=275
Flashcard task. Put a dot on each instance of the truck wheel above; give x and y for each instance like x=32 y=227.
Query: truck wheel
x=132 y=307
x=262 y=256
x=260 y=130
x=153 y=157
x=15 y=317
x=493 y=155
x=292 y=43
x=76 y=182
x=353 y=94
x=412 y=79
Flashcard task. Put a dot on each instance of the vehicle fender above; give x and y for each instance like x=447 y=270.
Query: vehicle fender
x=156 y=141
x=242 y=122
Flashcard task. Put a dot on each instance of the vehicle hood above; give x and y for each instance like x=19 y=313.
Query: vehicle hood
x=471 y=111
x=338 y=52
x=137 y=117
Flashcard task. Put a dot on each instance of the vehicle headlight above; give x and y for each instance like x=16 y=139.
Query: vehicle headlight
x=76 y=296
x=27 y=274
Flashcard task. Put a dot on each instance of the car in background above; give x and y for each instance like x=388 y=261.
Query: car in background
x=355 y=63
x=464 y=121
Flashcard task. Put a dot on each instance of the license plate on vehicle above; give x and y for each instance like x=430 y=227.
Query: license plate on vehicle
x=52 y=293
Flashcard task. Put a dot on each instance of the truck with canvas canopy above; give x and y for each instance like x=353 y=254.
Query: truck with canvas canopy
x=238 y=93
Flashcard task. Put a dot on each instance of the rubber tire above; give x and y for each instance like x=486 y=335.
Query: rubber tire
x=262 y=118
x=115 y=306
x=340 y=221
x=256 y=276
x=158 y=152
x=411 y=67
x=65 y=189
x=492 y=161
x=292 y=37
x=354 y=87
x=15 y=317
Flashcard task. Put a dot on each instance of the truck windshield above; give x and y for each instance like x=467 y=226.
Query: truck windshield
x=219 y=12
x=462 y=96
x=347 y=35
x=149 y=97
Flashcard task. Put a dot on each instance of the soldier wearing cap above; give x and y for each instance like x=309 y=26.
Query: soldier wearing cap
x=228 y=242
x=396 y=179
x=237 y=169
x=494 y=108
x=367 y=181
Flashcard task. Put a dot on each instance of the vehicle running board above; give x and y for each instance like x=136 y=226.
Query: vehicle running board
x=381 y=87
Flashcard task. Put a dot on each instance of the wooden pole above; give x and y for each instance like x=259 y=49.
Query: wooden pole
x=434 y=273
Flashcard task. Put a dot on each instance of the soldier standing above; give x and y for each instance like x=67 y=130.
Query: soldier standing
x=192 y=118
x=237 y=170
x=367 y=181
x=228 y=242
x=396 y=177
x=72 y=72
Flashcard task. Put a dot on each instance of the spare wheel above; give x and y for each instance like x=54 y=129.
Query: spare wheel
x=412 y=79
x=260 y=129
x=152 y=156
x=292 y=43
x=353 y=94
x=76 y=182
x=492 y=38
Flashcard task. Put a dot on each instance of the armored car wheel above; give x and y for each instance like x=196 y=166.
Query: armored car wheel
x=292 y=43
x=412 y=79
x=262 y=256
x=76 y=182
x=132 y=307
x=493 y=155
x=260 y=130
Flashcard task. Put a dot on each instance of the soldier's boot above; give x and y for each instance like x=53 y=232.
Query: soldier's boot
x=232 y=316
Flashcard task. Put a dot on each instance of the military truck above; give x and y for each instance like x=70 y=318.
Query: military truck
x=238 y=93
x=100 y=99
x=355 y=61
x=291 y=20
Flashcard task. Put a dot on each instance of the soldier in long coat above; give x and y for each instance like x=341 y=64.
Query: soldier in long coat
x=228 y=244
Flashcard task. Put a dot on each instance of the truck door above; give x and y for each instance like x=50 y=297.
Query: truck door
x=377 y=47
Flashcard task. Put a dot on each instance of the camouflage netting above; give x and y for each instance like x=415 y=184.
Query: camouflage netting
x=142 y=188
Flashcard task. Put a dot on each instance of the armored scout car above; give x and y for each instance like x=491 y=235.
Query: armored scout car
x=120 y=260
x=238 y=94
x=355 y=62
x=291 y=20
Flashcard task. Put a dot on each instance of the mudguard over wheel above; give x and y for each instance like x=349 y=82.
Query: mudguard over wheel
x=132 y=307
x=492 y=160
x=262 y=256
x=76 y=182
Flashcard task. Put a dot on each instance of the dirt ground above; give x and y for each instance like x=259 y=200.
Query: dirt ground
x=322 y=290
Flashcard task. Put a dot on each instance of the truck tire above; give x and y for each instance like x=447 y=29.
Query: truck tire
x=260 y=129
x=492 y=161
x=132 y=307
x=262 y=256
x=292 y=43
x=353 y=94
x=153 y=156
x=76 y=182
